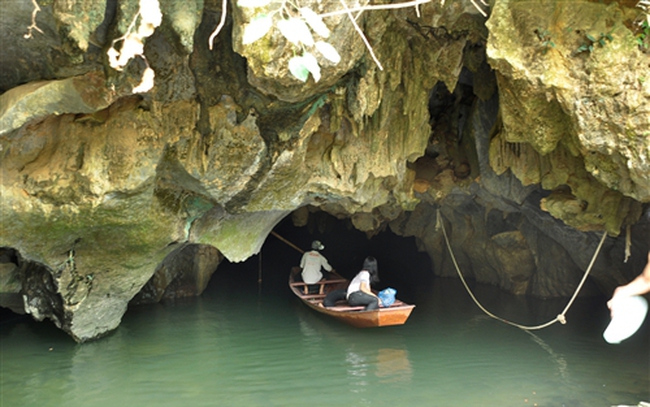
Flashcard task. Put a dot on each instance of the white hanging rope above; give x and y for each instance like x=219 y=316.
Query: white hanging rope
x=628 y=243
x=559 y=318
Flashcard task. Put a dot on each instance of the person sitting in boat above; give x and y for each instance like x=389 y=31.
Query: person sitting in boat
x=359 y=291
x=311 y=264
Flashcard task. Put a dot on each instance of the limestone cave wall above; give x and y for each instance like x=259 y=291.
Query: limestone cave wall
x=524 y=132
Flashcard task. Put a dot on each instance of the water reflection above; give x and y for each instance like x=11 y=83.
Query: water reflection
x=558 y=359
x=371 y=355
x=96 y=366
x=480 y=322
x=369 y=368
x=393 y=365
x=357 y=371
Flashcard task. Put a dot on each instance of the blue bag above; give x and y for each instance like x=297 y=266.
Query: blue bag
x=387 y=296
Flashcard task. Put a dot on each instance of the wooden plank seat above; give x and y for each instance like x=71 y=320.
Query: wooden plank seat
x=314 y=296
x=321 y=283
x=301 y=284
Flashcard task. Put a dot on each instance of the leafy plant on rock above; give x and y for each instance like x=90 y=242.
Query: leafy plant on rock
x=645 y=6
x=643 y=37
x=298 y=26
x=591 y=41
x=297 y=23
x=544 y=37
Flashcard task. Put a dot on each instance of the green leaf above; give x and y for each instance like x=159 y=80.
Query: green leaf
x=601 y=42
x=310 y=62
x=609 y=37
x=328 y=51
x=286 y=27
x=296 y=31
x=257 y=28
x=298 y=69
x=315 y=22
x=253 y=3
x=590 y=38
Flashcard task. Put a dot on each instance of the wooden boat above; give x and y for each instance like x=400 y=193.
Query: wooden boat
x=396 y=314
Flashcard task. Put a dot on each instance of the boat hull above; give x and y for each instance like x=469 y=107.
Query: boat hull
x=396 y=314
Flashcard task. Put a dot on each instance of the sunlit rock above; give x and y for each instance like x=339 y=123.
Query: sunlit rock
x=237 y=236
x=85 y=188
x=77 y=21
x=83 y=94
x=184 y=18
x=268 y=58
x=574 y=100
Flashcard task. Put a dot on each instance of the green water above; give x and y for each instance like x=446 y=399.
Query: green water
x=240 y=346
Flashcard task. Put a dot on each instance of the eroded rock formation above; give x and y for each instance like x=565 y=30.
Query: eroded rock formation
x=527 y=136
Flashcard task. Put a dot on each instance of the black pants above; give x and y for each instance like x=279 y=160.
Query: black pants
x=360 y=298
x=333 y=296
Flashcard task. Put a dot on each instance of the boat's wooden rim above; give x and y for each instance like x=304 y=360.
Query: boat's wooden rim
x=315 y=300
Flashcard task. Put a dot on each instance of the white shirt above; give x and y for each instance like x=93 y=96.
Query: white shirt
x=355 y=285
x=311 y=263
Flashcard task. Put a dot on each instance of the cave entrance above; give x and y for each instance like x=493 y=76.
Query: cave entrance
x=401 y=265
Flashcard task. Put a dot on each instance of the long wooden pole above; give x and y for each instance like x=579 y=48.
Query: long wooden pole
x=287 y=242
x=259 y=275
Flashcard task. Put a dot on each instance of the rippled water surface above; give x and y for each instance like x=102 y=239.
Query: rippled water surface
x=239 y=345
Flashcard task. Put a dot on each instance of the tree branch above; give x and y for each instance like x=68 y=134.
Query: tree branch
x=363 y=37
x=33 y=26
x=375 y=7
x=480 y=10
x=224 y=11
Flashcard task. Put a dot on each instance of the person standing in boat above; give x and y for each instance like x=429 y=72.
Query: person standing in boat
x=311 y=264
x=359 y=291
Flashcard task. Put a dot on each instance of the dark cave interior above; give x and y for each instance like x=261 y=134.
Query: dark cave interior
x=401 y=265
